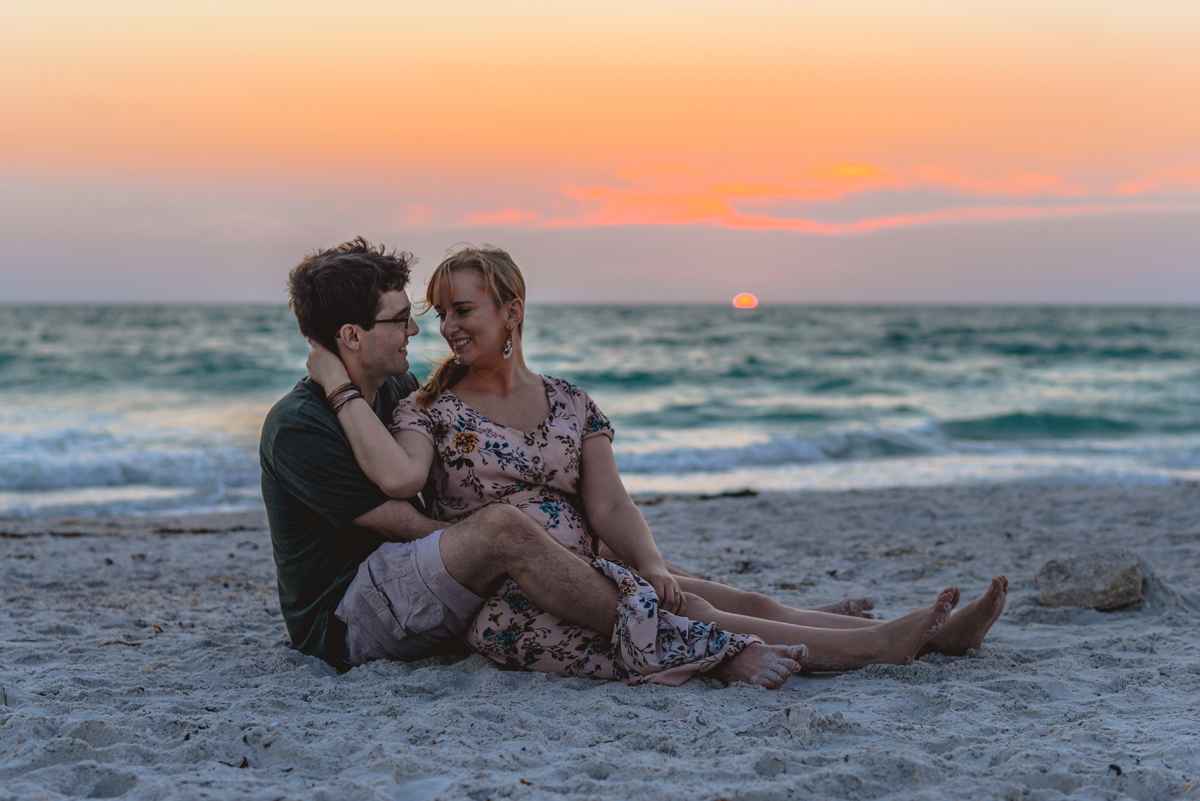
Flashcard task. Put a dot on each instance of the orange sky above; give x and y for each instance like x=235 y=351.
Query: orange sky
x=541 y=116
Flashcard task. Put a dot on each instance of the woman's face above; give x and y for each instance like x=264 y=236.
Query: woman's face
x=471 y=322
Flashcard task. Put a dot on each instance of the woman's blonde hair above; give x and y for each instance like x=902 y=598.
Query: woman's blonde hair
x=504 y=283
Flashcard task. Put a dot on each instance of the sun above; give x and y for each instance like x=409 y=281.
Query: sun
x=745 y=301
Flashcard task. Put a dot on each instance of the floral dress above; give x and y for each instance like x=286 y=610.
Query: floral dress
x=480 y=462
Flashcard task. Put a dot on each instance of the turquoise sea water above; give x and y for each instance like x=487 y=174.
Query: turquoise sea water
x=111 y=409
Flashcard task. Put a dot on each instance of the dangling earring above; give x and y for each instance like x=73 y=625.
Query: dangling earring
x=456 y=361
x=508 y=346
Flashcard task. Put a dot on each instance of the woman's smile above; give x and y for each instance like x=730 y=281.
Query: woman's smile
x=472 y=323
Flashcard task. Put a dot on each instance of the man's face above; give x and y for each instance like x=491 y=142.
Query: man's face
x=384 y=351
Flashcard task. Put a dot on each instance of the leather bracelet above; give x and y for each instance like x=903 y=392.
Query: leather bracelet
x=343 y=401
x=342 y=388
x=333 y=397
x=340 y=392
x=340 y=399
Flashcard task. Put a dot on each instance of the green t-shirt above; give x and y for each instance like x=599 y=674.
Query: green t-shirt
x=314 y=490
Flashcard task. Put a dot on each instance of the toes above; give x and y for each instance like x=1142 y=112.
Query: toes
x=783 y=665
x=784 y=670
x=798 y=653
x=868 y=603
x=771 y=678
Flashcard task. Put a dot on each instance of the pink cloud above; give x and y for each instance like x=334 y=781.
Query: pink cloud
x=760 y=222
x=1185 y=177
x=1014 y=183
x=677 y=196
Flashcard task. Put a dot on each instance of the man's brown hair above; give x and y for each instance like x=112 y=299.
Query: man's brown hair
x=344 y=284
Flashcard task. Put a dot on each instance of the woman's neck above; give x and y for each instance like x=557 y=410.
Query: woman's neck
x=502 y=380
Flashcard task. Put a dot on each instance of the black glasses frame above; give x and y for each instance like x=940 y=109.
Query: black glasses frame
x=402 y=319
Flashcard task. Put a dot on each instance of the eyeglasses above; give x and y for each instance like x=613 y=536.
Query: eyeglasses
x=402 y=319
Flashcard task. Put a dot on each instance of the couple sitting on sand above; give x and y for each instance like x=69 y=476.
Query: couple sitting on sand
x=532 y=551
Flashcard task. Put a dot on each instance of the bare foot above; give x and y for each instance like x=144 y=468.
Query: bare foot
x=967 y=627
x=896 y=642
x=850 y=607
x=767 y=666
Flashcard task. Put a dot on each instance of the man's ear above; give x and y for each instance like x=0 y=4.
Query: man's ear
x=347 y=337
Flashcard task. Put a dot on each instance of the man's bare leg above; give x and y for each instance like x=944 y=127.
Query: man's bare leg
x=501 y=542
x=967 y=627
x=896 y=642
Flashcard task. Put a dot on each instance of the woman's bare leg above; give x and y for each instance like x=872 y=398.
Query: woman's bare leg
x=755 y=604
x=847 y=607
x=964 y=631
x=767 y=666
x=896 y=642
x=850 y=607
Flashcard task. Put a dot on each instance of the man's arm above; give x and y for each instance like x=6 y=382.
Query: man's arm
x=398 y=521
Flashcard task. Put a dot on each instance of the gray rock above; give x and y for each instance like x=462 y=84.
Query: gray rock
x=1103 y=579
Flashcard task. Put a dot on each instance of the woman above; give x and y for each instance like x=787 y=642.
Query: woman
x=487 y=429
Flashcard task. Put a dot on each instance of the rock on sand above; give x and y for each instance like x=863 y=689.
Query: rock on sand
x=1104 y=579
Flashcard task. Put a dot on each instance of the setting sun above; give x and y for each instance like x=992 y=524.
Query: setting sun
x=745 y=301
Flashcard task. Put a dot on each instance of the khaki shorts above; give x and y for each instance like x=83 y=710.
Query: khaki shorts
x=403 y=604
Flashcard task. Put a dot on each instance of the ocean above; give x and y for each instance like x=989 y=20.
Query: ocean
x=157 y=409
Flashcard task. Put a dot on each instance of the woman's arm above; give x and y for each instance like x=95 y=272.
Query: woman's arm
x=399 y=465
x=619 y=523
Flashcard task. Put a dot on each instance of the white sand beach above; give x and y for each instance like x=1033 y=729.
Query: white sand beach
x=146 y=659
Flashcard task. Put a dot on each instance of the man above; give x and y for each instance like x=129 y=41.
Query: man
x=362 y=576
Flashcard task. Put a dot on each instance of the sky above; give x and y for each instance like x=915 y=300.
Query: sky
x=878 y=152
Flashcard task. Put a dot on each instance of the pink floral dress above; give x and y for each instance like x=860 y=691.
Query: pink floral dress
x=480 y=462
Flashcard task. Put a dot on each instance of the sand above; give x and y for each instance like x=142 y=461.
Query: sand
x=147 y=659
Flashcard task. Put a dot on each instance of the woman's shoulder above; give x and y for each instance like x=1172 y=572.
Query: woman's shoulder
x=565 y=387
x=583 y=407
x=410 y=407
x=410 y=413
x=445 y=398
